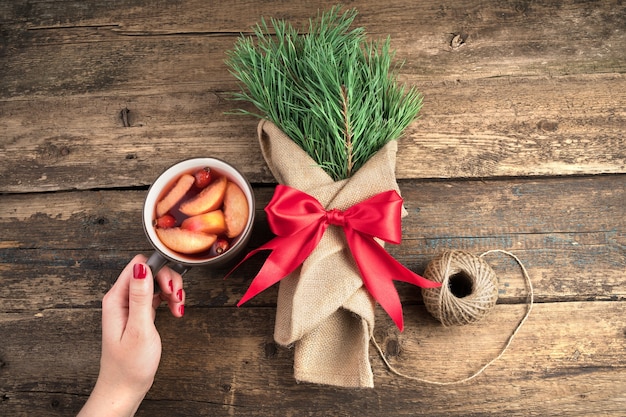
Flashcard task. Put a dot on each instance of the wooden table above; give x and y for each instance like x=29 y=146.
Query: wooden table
x=520 y=147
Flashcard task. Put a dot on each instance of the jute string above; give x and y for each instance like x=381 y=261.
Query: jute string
x=468 y=292
x=456 y=312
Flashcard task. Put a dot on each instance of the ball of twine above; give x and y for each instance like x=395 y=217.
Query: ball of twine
x=468 y=269
x=468 y=292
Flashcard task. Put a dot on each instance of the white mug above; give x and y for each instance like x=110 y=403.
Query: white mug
x=180 y=262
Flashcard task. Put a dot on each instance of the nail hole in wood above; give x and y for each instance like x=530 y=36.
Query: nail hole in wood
x=392 y=347
x=458 y=40
x=124 y=116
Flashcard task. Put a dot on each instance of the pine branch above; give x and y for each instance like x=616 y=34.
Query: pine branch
x=347 y=131
x=333 y=92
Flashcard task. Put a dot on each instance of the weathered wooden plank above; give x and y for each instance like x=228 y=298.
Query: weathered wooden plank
x=476 y=129
x=233 y=369
x=568 y=232
x=505 y=103
x=512 y=89
x=486 y=40
x=157 y=64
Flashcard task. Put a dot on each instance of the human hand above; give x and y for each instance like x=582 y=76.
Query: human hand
x=131 y=345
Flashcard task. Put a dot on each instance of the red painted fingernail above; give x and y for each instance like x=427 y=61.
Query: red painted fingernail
x=171 y=285
x=179 y=294
x=181 y=309
x=139 y=271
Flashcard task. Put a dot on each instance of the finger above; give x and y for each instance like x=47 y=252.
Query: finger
x=169 y=281
x=156 y=301
x=172 y=291
x=140 y=296
x=176 y=305
x=115 y=302
x=119 y=290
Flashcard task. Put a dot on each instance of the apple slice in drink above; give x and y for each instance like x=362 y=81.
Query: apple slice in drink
x=209 y=199
x=186 y=241
x=235 y=210
x=179 y=190
x=211 y=222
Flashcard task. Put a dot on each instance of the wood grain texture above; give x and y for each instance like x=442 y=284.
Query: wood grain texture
x=237 y=369
x=463 y=132
x=561 y=229
x=519 y=146
x=533 y=89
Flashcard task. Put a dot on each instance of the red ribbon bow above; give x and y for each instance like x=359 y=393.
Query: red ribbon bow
x=298 y=220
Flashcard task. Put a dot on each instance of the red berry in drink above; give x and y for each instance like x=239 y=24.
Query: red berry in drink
x=203 y=177
x=221 y=246
x=165 y=222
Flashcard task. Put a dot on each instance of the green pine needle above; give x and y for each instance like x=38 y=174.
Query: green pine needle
x=330 y=90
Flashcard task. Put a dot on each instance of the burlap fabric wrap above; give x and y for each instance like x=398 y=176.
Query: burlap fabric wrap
x=323 y=310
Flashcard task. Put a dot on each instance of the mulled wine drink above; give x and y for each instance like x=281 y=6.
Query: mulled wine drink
x=199 y=211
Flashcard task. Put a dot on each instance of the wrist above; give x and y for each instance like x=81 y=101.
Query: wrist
x=112 y=400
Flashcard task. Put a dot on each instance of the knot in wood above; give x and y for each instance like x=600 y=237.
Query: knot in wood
x=458 y=40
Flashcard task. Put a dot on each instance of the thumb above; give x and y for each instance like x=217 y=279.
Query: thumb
x=140 y=295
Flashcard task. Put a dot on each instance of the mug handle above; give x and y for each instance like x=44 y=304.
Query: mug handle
x=156 y=261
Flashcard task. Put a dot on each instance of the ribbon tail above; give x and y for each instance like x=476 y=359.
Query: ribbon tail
x=378 y=270
x=288 y=253
x=271 y=272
